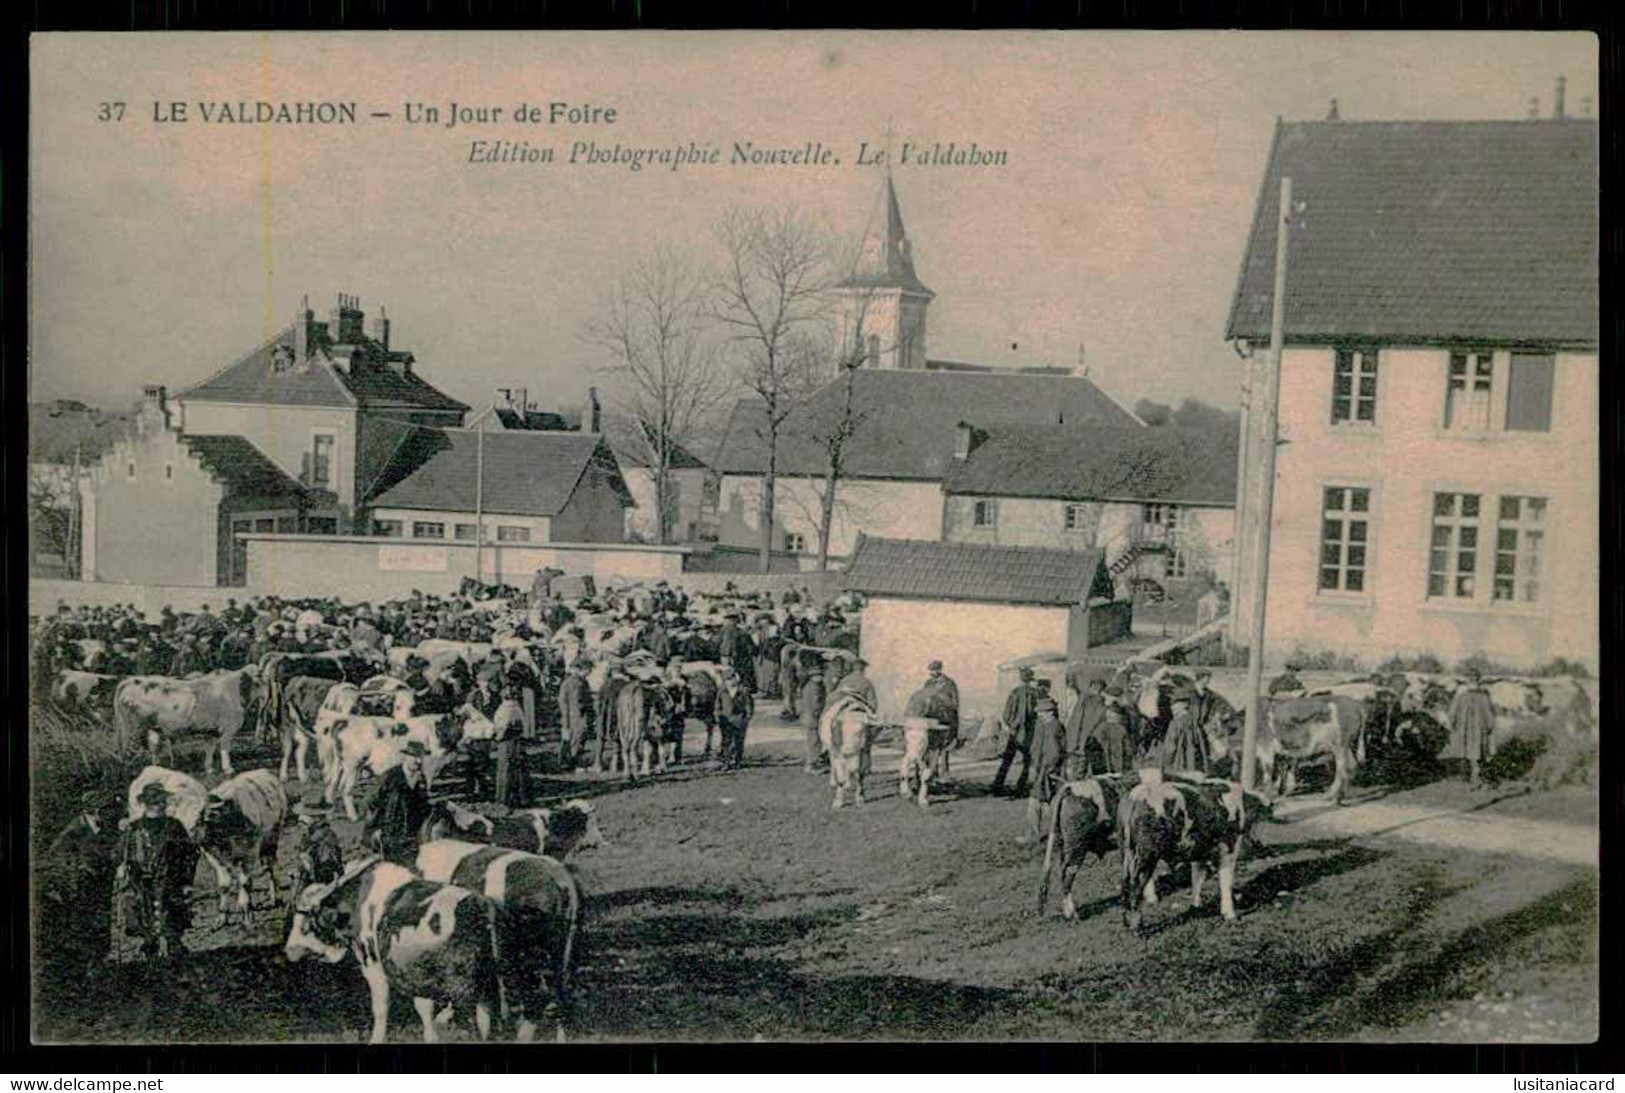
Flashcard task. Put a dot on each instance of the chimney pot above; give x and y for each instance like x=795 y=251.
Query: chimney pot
x=595 y=410
x=1557 y=105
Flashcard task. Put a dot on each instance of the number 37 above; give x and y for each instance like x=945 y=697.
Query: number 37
x=110 y=111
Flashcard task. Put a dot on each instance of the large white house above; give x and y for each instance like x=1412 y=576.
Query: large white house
x=1437 y=471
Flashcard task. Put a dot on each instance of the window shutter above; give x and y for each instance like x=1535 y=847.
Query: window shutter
x=1529 y=392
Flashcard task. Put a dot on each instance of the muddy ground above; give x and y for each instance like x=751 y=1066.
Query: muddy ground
x=737 y=906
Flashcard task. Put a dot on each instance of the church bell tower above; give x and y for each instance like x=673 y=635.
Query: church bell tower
x=881 y=305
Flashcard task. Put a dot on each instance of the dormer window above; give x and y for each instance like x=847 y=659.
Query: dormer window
x=282 y=359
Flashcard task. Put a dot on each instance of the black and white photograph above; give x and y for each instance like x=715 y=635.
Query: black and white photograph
x=788 y=537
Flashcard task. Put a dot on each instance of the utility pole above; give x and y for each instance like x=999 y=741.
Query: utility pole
x=479 y=503
x=1268 y=406
x=1240 y=540
x=70 y=558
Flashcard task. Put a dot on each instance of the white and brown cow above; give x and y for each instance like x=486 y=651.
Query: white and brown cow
x=90 y=692
x=1083 y=821
x=1299 y=729
x=1175 y=822
x=641 y=709
x=376 y=743
x=923 y=739
x=847 y=730
x=187 y=795
x=214 y=706
x=558 y=832
x=542 y=905
x=238 y=828
x=439 y=943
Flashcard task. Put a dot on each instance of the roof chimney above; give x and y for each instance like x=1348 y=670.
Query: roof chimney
x=345 y=321
x=1331 y=115
x=301 y=331
x=594 y=410
x=967 y=438
x=380 y=329
x=154 y=414
x=1557 y=105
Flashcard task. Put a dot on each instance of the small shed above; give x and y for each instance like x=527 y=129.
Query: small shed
x=974 y=608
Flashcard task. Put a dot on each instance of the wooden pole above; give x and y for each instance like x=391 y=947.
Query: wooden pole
x=1240 y=541
x=1267 y=405
x=479 y=504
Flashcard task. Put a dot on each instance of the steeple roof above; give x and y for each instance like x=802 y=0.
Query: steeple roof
x=884 y=257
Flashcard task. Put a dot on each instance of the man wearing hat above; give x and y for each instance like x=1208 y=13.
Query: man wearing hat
x=1084 y=722
x=1020 y=715
x=400 y=808
x=945 y=701
x=485 y=700
x=1049 y=757
x=156 y=864
x=318 y=858
x=75 y=891
x=575 y=713
x=512 y=786
x=857 y=682
x=1472 y=724
x=608 y=727
x=1287 y=684
x=812 y=699
x=1207 y=705
x=1184 y=745
x=736 y=705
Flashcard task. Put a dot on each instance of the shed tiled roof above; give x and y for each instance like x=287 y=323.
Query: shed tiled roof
x=918 y=569
x=1430 y=232
x=908 y=419
x=622 y=432
x=1168 y=463
x=246 y=471
x=525 y=473
x=367 y=382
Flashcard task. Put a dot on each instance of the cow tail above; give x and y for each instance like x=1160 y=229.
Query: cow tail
x=1045 y=871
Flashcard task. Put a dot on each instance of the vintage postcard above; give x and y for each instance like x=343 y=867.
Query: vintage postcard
x=814 y=536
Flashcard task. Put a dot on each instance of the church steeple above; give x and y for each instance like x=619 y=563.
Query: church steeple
x=881 y=314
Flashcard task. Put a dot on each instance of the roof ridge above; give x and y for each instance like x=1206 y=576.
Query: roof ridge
x=242 y=359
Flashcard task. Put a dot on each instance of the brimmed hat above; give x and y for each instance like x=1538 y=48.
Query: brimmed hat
x=153 y=794
x=1026 y=673
x=934 y=666
x=415 y=749
x=314 y=803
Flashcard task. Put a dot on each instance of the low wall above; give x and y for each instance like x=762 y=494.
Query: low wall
x=44 y=594
x=355 y=568
x=823 y=586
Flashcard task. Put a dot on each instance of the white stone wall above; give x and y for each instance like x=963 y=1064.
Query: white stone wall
x=893 y=510
x=539 y=526
x=1404 y=458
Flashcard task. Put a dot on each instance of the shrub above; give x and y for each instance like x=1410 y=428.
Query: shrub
x=1326 y=661
x=1426 y=663
x=1546 y=754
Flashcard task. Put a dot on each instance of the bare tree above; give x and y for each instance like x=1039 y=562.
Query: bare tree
x=770 y=296
x=651 y=324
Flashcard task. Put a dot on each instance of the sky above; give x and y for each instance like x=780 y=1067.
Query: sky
x=160 y=252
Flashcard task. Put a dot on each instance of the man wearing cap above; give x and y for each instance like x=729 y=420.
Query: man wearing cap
x=512 y=786
x=1184 y=745
x=1207 y=705
x=813 y=698
x=75 y=890
x=736 y=705
x=1472 y=725
x=318 y=858
x=608 y=729
x=1049 y=758
x=400 y=808
x=1085 y=723
x=575 y=713
x=156 y=863
x=486 y=699
x=1287 y=684
x=1020 y=715
x=945 y=701
x=857 y=682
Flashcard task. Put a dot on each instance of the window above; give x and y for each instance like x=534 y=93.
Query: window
x=1468 y=398
x=1453 y=551
x=985 y=514
x=321 y=460
x=466 y=532
x=1345 y=529
x=321 y=525
x=1159 y=522
x=129 y=472
x=389 y=529
x=512 y=533
x=427 y=529
x=169 y=472
x=1354 y=385
x=1076 y=517
x=242 y=527
x=1529 y=392
x=265 y=523
x=287 y=525
x=1520 y=535
x=795 y=542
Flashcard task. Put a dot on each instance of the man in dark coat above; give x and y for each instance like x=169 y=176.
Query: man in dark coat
x=608 y=731
x=486 y=699
x=1184 y=744
x=1472 y=725
x=739 y=650
x=945 y=708
x=1084 y=723
x=400 y=807
x=1207 y=705
x=575 y=714
x=318 y=857
x=1020 y=715
x=75 y=892
x=157 y=862
x=812 y=699
x=1049 y=758
x=736 y=705
x=857 y=682
x=512 y=786
x=1287 y=684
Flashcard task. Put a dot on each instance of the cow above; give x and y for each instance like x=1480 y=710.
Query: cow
x=846 y=729
x=923 y=738
x=541 y=904
x=376 y=742
x=214 y=706
x=187 y=796
x=1175 y=822
x=704 y=679
x=640 y=723
x=304 y=699
x=1083 y=821
x=240 y=822
x=77 y=691
x=278 y=669
x=558 y=832
x=1296 y=729
x=437 y=942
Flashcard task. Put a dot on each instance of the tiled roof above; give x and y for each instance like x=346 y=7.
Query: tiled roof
x=622 y=433
x=883 y=259
x=368 y=382
x=525 y=473
x=1430 y=231
x=1101 y=464
x=246 y=471
x=906 y=430
x=912 y=568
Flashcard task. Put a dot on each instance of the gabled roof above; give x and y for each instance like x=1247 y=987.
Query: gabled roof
x=246 y=471
x=1168 y=463
x=913 y=568
x=884 y=259
x=525 y=473
x=633 y=450
x=908 y=418
x=366 y=380
x=1430 y=232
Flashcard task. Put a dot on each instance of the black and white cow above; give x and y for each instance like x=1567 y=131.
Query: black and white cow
x=542 y=905
x=1200 y=824
x=1083 y=821
x=239 y=825
x=558 y=832
x=437 y=942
